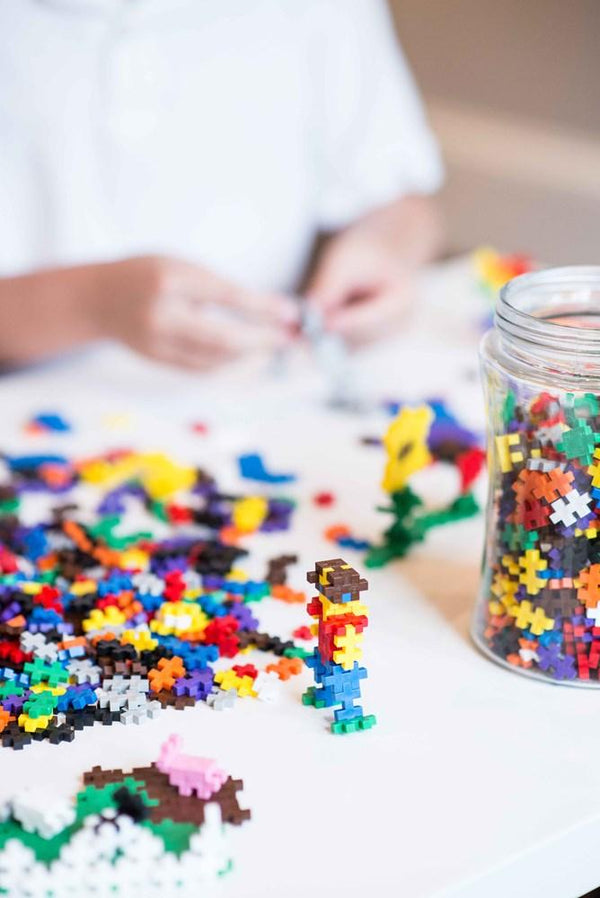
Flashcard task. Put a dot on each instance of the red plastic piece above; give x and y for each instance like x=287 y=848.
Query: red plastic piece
x=324 y=500
x=222 y=632
x=246 y=670
x=469 y=465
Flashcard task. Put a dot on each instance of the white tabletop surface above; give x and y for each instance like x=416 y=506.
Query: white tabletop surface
x=476 y=783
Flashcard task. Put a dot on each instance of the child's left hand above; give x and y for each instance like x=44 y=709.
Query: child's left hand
x=365 y=279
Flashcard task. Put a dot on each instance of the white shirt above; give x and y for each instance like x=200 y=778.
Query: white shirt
x=223 y=131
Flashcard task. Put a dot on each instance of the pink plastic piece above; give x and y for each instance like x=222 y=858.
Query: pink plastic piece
x=187 y=773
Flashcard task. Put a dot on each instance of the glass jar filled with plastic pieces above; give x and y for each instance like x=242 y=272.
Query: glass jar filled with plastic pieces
x=538 y=611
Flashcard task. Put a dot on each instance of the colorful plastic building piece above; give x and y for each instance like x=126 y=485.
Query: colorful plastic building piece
x=341 y=616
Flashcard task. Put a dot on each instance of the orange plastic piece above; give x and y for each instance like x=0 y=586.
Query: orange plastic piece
x=71 y=643
x=287 y=594
x=229 y=536
x=16 y=622
x=47 y=562
x=286 y=667
x=336 y=531
x=168 y=670
x=77 y=534
x=55 y=474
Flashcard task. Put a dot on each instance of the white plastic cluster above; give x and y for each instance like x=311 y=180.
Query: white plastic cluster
x=41 y=811
x=84 y=671
x=267 y=686
x=128 y=695
x=111 y=855
x=37 y=644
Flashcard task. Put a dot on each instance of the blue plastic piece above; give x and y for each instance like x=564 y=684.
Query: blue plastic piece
x=27 y=462
x=53 y=421
x=252 y=467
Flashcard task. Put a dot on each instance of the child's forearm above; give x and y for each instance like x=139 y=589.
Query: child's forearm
x=47 y=312
x=409 y=229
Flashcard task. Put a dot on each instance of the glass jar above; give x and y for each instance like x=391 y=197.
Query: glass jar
x=538 y=611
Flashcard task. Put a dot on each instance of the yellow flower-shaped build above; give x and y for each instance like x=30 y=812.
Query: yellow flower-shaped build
x=406 y=446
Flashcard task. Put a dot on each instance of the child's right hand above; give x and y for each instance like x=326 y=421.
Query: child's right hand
x=171 y=310
x=184 y=314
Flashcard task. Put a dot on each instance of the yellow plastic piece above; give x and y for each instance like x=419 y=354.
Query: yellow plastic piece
x=511 y=565
x=594 y=469
x=229 y=679
x=540 y=622
x=335 y=609
x=134 y=559
x=82 y=587
x=406 y=445
x=117 y=421
x=31 y=589
x=509 y=451
x=505 y=590
x=348 y=647
x=249 y=513
x=31 y=724
x=531 y=564
x=98 y=619
x=141 y=638
x=177 y=618
x=523 y=614
x=160 y=476
x=491 y=268
x=44 y=687
x=192 y=593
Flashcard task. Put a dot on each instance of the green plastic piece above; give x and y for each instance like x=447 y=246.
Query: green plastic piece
x=159 y=510
x=40 y=704
x=308 y=697
x=588 y=403
x=9 y=688
x=45 y=850
x=10 y=505
x=296 y=652
x=257 y=594
x=515 y=536
x=176 y=836
x=105 y=528
x=93 y=800
x=54 y=674
x=410 y=527
x=343 y=727
x=579 y=442
x=508 y=407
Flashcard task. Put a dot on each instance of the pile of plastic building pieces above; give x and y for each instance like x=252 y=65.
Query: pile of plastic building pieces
x=102 y=621
x=418 y=437
x=160 y=829
x=541 y=609
x=340 y=617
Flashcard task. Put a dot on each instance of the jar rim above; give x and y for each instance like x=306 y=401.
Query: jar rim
x=571 y=291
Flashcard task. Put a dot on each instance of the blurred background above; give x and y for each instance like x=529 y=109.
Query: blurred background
x=512 y=92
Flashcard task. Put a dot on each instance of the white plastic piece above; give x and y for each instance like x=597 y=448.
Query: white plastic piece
x=42 y=811
x=267 y=687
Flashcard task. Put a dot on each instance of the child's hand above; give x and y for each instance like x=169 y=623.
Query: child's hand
x=365 y=278
x=171 y=310
x=184 y=314
x=362 y=291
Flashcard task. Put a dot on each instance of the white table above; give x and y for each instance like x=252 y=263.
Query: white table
x=476 y=783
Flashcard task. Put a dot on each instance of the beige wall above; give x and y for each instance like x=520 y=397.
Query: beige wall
x=514 y=91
